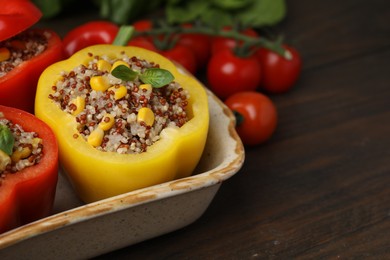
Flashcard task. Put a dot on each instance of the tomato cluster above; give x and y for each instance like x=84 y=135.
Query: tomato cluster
x=238 y=78
x=263 y=69
x=238 y=81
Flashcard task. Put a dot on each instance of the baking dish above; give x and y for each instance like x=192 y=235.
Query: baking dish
x=77 y=230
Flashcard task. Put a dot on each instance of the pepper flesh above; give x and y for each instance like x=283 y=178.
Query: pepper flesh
x=29 y=194
x=97 y=175
x=17 y=87
x=16 y=16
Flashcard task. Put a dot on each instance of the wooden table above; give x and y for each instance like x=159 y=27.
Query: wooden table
x=320 y=187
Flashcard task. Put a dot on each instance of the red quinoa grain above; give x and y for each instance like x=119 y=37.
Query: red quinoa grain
x=127 y=135
x=22 y=47
x=23 y=139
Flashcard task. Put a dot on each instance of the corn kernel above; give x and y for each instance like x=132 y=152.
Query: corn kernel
x=60 y=79
x=96 y=137
x=36 y=141
x=5 y=54
x=119 y=92
x=80 y=105
x=119 y=62
x=148 y=87
x=21 y=154
x=107 y=122
x=145 y=115
x=103 y=65
x=4 y=160
x=99 y=83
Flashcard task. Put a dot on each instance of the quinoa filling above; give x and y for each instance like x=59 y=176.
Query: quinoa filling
x=27 y=149
x=116 y=115
x=20 y=48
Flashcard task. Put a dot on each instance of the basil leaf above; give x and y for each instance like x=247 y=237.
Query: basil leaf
x=6 y=140
x=124 y=73
x=247 y=13
x=156 y=77
x=262 y=13
x=126 y=11
x=231 y=4
x=224 y=18
x=185 y=13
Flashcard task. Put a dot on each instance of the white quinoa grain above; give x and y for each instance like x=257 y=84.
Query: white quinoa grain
x=127 y=135
x=22 y=47
x=23 y=140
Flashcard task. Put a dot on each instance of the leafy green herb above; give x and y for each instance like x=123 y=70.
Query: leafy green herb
x=49 y=8
x=125 y=11
x=250 y=13
x=178 y=12
x=157 y=77
x=6 y=140
x=262 y=13
x=154 y=76
x=124 y=73
x=232 y=4
x=247 y=13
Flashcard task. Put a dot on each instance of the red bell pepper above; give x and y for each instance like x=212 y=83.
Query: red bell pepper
x=17 y=87
x=90 y=33
x=29 y=194
x=16 y=16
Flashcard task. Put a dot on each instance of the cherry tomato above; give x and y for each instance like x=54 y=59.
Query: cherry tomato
x=181 y=55
x=219 y=43
x=259 y=116
x=143 y=25
x=16 y=16
x=279 y=73
x=199 y=43
x=90 y=33
x=142 y=42
x=228 y=74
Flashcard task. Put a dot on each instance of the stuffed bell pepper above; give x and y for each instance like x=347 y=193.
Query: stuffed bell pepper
x=28 y=168
x=24 y=53
x=125 y=118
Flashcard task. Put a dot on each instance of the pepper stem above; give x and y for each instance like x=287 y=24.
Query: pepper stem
x=124 y=35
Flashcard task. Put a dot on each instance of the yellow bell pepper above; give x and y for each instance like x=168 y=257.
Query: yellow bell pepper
x=96 y=174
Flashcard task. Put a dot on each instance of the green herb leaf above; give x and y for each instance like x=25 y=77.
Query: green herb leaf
x=177 y=13
x=262 y=13
x=49 y=8
x=126 y=11
x=6 y=140
x=124 y=73
x=224 y=18
x=156 y=77
x=247 y=13
x=232 y=4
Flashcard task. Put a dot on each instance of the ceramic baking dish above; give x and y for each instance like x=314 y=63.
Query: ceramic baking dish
x=78 y=230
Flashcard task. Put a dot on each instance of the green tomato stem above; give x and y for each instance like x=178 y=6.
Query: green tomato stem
x=249 y=43
x=239 y=118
